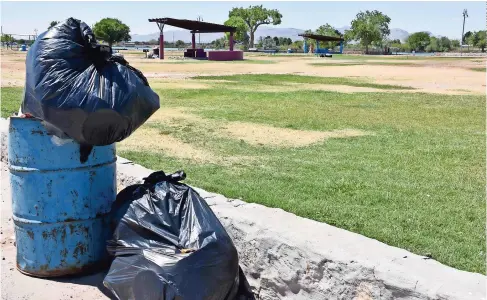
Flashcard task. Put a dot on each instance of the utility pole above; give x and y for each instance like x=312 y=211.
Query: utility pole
x=200 y=19
x=465 y=15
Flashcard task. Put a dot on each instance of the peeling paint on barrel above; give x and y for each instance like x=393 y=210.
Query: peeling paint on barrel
x=60 y=206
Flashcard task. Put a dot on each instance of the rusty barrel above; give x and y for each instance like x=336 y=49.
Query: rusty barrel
x=60 y=205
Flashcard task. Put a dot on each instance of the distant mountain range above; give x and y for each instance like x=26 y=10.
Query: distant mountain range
x=263 y=31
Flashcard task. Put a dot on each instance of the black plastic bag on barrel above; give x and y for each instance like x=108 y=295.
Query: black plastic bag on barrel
x=82 y=90
x=168 y=244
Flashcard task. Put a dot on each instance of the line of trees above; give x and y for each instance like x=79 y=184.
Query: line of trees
x=9 y=40
x=368 y=29
x=476 y=39
x=424 y=42
x=273 y=42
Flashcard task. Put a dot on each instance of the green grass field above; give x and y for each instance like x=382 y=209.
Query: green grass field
x=283 y=79
x=417 y=181
x=370 y=63
x=397 y=57
x=10 y=100
x=482 y=69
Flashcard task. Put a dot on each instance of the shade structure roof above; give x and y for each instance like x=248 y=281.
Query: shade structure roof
x=194 y=26
x=323 y=38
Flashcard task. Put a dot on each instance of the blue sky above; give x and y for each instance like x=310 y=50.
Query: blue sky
x=440 y=18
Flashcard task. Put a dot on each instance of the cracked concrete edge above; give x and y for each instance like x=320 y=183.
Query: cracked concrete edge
x=288 y=257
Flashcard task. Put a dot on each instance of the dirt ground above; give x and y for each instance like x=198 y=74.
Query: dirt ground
x=439 y=75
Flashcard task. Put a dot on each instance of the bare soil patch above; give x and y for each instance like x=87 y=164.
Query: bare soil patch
x=257 y=134
x=12 y=69
x=177 y=84
x=150 y=140
x=170 y=116
x=252 y=133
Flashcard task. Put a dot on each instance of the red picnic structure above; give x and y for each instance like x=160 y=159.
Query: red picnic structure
x=198 y=27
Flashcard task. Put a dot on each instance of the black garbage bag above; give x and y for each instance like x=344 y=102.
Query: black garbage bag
x=82 y=90
x=168 y=244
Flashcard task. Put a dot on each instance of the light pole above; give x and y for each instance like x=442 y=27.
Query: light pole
x=465 y=15
x=200 y=19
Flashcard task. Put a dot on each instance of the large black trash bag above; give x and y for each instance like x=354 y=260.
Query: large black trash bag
x=168 y=244
x=79 y=88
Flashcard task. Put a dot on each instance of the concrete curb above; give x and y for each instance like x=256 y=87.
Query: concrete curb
x=288 y=257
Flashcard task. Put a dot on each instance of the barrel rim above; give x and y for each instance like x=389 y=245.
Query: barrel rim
x=19 y=169
x=23 y=118
x=89 y=269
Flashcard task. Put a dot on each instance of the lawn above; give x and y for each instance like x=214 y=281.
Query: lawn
x=416 y=180
x=398 y=57
x=369 y=63
x=481 y=69
x=10 y=100
x=282 y=79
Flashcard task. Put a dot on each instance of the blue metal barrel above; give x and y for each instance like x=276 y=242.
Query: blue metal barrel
x=60 y=206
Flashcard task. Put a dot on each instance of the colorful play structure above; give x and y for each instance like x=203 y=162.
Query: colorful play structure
x=199 y=27
x=321 y=38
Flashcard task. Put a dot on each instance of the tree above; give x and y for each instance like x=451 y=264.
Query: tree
x=396 y=46
x=7 y=38
x=369 y=27
x=219 y=43
x=111 y=31
x=261 y=42
x=445 y=44
x=269 y=43
x=52 y=24
x=455 y=43
x=254 y=16
x=276 y=41
x=419 y=40
x=180 y=44
x=328 y=30
x=396 y=41
x=241 y=32
x=432 y=45
x=480 y=40
x=297 y=45
x=283 y=41
x=240 y=35
x=466 y=37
